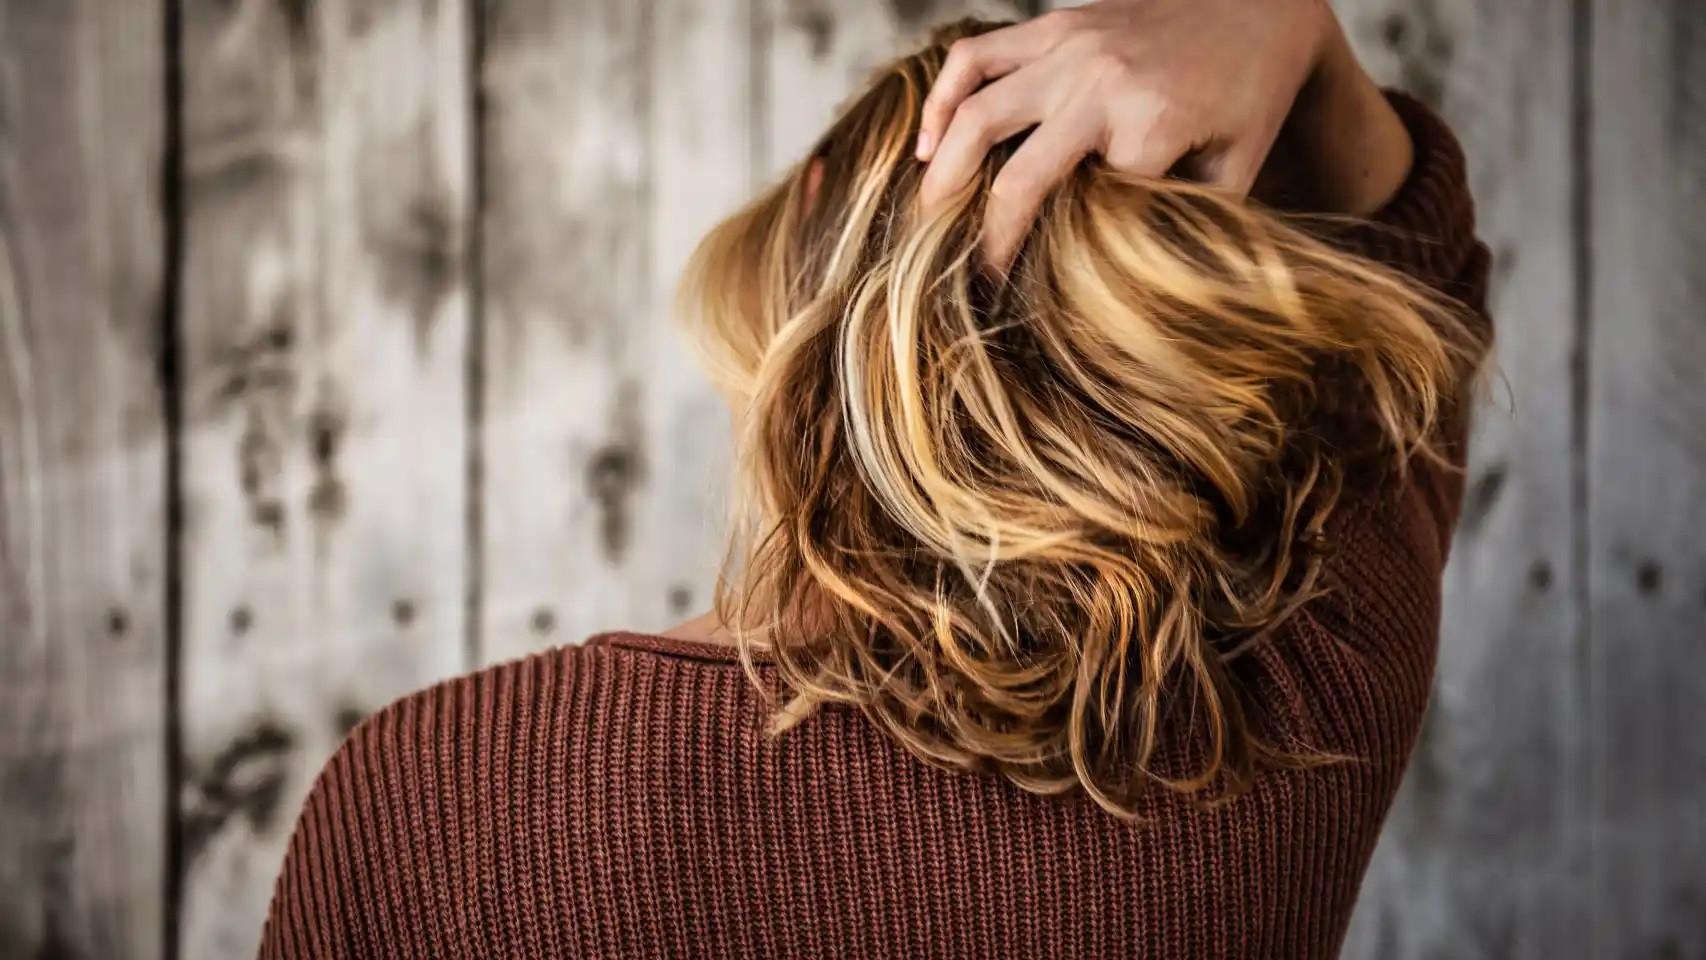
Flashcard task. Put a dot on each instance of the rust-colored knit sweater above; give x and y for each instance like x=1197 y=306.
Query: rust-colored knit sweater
x=620 y=799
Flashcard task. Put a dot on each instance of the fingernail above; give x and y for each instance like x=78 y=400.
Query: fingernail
x=925 y=142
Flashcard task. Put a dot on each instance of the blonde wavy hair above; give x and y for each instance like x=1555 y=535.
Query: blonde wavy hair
x=1025 y=521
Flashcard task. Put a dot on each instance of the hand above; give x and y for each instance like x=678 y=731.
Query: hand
x=1204 y=85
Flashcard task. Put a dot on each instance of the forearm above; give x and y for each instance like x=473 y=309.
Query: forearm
x=1343 y=149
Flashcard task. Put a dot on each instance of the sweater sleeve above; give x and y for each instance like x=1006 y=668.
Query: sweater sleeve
x=1427 y=231
x=436 y=829
x=354 y=882
x=311 y=913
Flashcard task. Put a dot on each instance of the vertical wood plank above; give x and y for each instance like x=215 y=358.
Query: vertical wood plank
x=82 y=480
x=565 y=278
x=324 y=337
x=1646 y=433
x=703 y=143
x=615 y=135
x=1484 y=854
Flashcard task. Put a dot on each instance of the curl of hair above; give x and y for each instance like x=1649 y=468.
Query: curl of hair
x=1025 y=522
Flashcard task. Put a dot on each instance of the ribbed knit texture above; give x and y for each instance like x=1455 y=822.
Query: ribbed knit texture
x=620 y=799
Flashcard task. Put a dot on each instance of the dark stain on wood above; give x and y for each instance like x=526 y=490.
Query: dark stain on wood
x=1426 y=52
x=303 y=43
x=1686 y=96
x=260 y=367
x=1483 y=494
x=259 y=462
x=818 y=25
x=55 y=945
x=419 y=263
x=296 y=16
x=363 y=14
x=346 y=718
x=611 y=475
x=242 y=618
x=1504 y=263
x=1649 y=577
x=327 y=499
x=615 y=472
x=242 y=170
x=680 y=598
x=1540 y=576
x=543 y=621
x=118 y=623
x=37 y=783
x=403 y=611
x=914 y=13
x=413 y=233
x=258 y=375
x=246 y=779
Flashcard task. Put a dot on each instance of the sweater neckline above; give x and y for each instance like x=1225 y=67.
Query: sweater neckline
x=705 y=650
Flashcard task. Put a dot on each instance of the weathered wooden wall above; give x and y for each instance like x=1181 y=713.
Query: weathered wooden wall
x=323 y=337
x=335 y=357
x=1485 y=850
x=84 y=789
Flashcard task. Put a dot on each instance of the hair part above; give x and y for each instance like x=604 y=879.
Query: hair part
x=1026 y=522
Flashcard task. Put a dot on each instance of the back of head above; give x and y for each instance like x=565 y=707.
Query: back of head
x=1026 y=522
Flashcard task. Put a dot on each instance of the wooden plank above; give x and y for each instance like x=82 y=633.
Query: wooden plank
x=1646 y=445
x=82 y=480
x=565 y=284
x=1484 y=853
x=703 y=138
x=324 y=346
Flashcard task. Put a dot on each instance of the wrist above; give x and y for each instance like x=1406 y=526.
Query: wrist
x=1343 y=150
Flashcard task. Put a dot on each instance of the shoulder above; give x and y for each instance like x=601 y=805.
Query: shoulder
x=497 y=713
x=434 y=805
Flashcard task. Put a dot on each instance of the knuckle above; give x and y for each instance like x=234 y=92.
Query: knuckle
x=1108 y=66
x=1059 y=23
x=1015 y=185
x=977 y=112
x=1145 y=109
x=1168 y=126
x=962 y=54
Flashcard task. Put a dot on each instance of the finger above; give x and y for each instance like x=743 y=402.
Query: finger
x=974 y=60
x=1234 y=175
x=1045 y=159
x=1150 y=149
x=1236 y=168
x=990 y=116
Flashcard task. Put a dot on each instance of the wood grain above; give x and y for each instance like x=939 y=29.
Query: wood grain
x=82 y=481
x=565 y=272
x=1484 y=852
x=1646 y=472
x=704 y=133
x=324 y=346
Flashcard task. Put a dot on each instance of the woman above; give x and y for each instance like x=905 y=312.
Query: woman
x=1087 y=598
